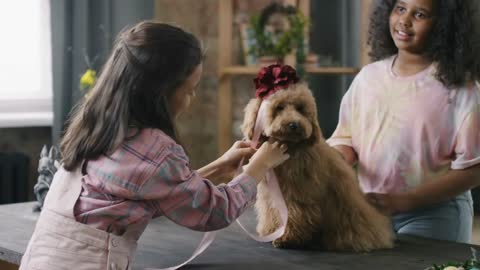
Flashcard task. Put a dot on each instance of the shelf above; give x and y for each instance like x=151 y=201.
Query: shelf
x=227 y=68
x=333 y=70
x=253 y=70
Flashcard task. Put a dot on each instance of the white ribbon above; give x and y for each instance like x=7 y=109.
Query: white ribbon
x=276 y=196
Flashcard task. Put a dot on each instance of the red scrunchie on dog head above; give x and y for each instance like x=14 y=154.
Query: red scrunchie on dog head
x=272 y=78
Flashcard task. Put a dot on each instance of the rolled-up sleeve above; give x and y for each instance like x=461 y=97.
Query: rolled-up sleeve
x=467 y=143
x=190 y=200
x=343 y=133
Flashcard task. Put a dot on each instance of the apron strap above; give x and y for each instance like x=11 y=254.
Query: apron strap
x=64 y=191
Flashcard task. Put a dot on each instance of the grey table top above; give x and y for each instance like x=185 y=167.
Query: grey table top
x=165 y=244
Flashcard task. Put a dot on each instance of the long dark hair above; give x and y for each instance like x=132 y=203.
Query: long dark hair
x=148 y=63
x=452 y=43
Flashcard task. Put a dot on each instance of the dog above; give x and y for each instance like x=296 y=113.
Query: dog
x=326 y=207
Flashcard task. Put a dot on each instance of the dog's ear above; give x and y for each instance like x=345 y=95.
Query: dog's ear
x=250 y=117
x=316 y=133
x=310 y=103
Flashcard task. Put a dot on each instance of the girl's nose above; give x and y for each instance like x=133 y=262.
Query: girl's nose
x=405 y=20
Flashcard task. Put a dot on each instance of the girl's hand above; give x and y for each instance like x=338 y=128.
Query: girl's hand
x=231 y=159
x=392 y=203
x=267 y=157
x=271 y=154
x=347 y=153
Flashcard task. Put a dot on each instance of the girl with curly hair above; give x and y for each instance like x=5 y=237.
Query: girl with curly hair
x=411 y=119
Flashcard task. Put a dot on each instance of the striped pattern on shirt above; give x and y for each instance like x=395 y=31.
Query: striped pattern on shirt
x=149 y=176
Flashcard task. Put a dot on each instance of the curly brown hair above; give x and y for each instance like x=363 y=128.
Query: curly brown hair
x=452 y=42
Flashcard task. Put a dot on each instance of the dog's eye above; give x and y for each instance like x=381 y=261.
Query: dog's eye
x=279 y=108
x=300 y=108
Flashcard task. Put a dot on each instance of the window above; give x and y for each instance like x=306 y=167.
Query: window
x=25 y=65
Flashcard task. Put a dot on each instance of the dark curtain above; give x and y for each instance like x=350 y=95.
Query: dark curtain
x=335 y=34
x=80 y=30
x=13 y=177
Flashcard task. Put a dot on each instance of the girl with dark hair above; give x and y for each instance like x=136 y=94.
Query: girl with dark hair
x=123 y=164
x=411 y=120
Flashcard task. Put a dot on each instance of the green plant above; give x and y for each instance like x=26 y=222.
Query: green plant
x=268 y=44
x=470 y=264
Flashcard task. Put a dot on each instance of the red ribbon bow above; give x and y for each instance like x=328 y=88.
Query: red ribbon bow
x=273 y=78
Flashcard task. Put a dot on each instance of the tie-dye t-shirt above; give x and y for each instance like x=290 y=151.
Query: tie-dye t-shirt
x=407 y=130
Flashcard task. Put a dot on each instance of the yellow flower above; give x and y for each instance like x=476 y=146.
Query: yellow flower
x=88 y=79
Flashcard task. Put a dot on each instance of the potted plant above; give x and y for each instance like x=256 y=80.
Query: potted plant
x=278 y=31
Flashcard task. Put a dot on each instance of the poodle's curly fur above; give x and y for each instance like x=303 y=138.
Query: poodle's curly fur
x=326 y=207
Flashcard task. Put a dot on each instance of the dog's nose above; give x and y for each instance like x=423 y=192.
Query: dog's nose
x=293 y=126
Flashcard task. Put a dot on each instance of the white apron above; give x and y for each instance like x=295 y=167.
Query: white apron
x=59 y=242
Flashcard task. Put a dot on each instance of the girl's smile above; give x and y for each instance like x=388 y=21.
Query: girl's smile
x=403 y=35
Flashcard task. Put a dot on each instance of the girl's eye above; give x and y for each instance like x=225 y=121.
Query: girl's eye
x=400 y=9
x=420 y=15
x=300 y=108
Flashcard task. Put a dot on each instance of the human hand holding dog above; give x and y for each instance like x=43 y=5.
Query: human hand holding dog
x=267 y=157
x=231 y=159
x=227 y=164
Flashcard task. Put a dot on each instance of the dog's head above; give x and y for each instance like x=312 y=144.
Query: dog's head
x=290 y=116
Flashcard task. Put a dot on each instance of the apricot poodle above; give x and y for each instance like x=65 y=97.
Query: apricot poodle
x=326 y=207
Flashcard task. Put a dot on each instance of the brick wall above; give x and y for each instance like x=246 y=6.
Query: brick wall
x=198 y=126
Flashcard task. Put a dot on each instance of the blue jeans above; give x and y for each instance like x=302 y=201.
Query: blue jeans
x=451 y=220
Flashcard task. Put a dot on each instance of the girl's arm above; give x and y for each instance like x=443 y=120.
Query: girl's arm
x=212 y=170
x=190 y=200
x=453 y=183
x=347 y=153
x=229 y=161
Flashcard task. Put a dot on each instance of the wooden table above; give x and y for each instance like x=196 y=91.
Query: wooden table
x=165 y=244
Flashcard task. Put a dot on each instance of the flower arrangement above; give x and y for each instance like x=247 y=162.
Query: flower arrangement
x=273 y=78
x=279 y=42
x=471 y=264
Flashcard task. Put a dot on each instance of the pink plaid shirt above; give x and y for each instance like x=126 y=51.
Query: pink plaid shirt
x=148 y=176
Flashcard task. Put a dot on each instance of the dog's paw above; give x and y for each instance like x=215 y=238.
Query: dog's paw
x=280 y=243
